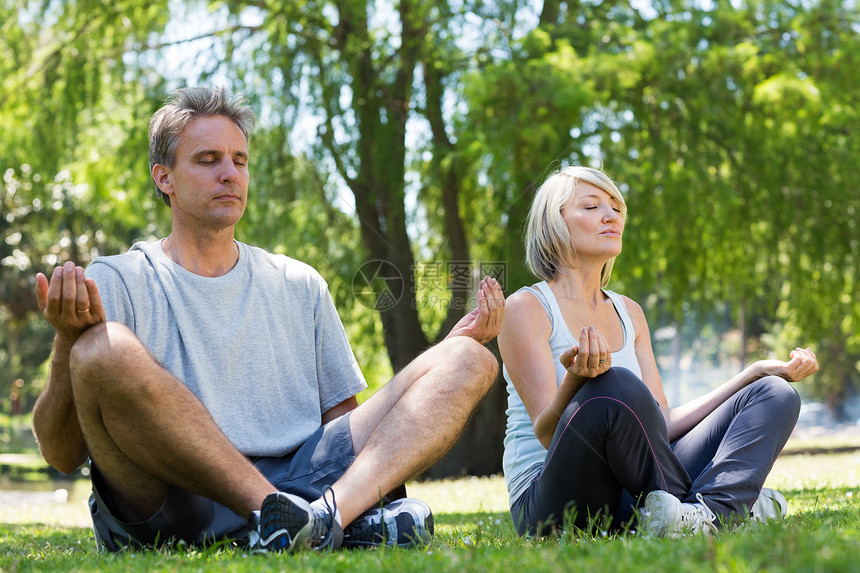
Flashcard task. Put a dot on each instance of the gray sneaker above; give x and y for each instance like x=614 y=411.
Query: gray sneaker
x=665 y=516
x=770 y=505
x=287 y=523
x=406 y=522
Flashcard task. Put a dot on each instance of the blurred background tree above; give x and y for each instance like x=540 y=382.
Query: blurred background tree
x=416 y=132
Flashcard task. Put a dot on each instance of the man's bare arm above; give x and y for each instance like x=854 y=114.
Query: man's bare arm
x=71 y=303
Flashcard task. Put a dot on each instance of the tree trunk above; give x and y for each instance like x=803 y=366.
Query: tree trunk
x=381 y=111
x=449 y=173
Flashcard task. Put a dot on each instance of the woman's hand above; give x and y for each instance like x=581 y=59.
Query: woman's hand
x=802 y=364
x=591 y=358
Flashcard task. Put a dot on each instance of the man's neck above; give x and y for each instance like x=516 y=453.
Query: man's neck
x=209 y=256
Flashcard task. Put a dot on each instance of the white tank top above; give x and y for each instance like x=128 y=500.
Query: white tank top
x=524 y=454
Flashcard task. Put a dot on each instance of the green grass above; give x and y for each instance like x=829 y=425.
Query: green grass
x=474 y=533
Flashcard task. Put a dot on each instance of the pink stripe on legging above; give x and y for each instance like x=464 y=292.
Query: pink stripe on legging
x=647 y=438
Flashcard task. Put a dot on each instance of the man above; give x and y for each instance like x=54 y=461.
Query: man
x=207 y=381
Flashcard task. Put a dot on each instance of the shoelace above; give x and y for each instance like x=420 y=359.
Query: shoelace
x=322 y=534
x=700 y=519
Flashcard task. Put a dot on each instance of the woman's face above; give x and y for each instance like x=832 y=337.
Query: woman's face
x=594 y=221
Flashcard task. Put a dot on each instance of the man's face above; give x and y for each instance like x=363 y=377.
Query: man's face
x=208 y=183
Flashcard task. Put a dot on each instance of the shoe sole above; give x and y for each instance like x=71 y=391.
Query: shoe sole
x=292 y=514
x=770 y=505
x=423 y=535
x=668 y=511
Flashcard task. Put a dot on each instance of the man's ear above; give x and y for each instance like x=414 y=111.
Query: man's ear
x=163 y=178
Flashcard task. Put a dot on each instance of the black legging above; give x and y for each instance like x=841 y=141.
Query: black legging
x=611 y=448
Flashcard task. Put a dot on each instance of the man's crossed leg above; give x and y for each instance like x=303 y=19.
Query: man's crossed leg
x=148 y=434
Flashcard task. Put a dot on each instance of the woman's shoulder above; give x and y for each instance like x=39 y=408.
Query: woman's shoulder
x=524 y=306
x=524 y=295
x=628 y=302
x=631 y=305
x=637 y=315
x=527 y=299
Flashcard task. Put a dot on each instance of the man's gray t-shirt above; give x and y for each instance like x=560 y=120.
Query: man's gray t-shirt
x=262 y=346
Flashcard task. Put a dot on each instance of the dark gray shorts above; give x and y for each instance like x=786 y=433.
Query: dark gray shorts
x=190 y=517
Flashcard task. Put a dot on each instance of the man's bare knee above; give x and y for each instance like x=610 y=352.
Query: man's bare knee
x=477 y=364
x=102 y=347
x=109 y=357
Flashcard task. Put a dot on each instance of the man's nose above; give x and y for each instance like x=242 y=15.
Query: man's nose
x=229 y=171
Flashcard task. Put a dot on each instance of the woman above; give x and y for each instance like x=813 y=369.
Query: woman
x=589 y=429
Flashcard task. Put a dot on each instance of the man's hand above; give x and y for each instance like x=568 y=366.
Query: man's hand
x=71 y=302
x=802 y=364
x=485 y=321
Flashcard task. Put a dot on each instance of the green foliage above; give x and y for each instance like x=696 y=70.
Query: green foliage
x=521 y=113
x=68 y=58
x=72 y=135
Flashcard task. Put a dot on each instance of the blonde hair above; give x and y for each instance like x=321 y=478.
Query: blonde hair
x=548 y=241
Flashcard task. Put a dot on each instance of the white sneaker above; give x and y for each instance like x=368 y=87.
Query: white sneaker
x=770 y=505
x=405 y=522
x=665 y=516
